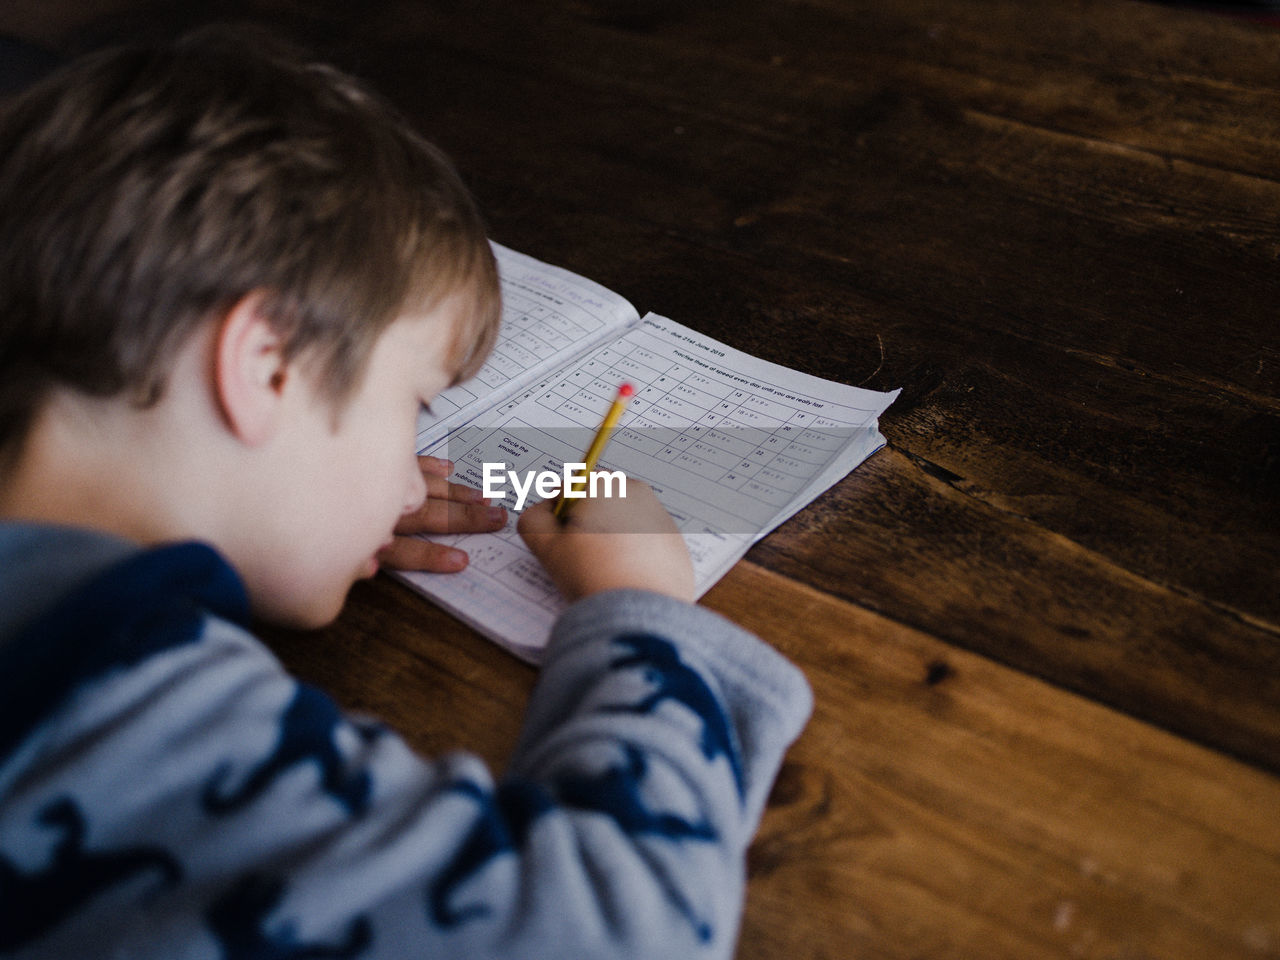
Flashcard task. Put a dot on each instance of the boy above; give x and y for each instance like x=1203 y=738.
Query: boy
x=230 y=279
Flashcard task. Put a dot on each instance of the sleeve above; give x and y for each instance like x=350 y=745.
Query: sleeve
x=657 y=729
x=205 y=804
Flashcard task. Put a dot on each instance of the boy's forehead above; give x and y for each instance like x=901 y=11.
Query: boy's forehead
x=445 y=330
x=471 y=317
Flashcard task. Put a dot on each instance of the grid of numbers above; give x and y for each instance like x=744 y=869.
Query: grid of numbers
x=763 y=447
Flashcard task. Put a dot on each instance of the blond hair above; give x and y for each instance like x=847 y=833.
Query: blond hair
x=144 y=190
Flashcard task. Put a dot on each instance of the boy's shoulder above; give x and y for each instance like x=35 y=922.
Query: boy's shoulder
x=79 y=604
x=41 y=563
x=45 y=568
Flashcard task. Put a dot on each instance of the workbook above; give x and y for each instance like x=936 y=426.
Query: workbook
x=732 y=444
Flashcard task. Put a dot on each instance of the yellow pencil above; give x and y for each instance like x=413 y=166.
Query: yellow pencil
x=592 y=456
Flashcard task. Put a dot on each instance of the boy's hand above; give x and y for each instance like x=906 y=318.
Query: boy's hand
x=449 y=508
x=606 y=543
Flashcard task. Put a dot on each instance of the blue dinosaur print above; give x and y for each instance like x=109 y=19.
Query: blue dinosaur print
x=153 y=602
x=31 y=904
x=517 y=805
x=616 y=791
x=675 y=680
x=306 y=734
x=504 y=825
x=238 y=921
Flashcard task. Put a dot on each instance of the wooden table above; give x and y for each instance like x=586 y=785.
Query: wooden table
x=1043 y=625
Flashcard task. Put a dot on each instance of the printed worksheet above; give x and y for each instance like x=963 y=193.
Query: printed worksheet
x=732 y=444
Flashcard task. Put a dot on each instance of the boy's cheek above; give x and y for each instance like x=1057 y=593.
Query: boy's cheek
x=301 y=595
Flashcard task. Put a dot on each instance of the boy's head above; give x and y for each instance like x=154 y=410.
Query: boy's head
x=145 y=191
x=164 y=213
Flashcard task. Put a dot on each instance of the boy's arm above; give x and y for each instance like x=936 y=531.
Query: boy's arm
x=658 y=728
x=621 y=826
x=686 y=667
x=649 y=746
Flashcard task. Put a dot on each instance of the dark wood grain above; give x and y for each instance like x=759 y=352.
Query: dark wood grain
x=941 y=805
x=1057 y=234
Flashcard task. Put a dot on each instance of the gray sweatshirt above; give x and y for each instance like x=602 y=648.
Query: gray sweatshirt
x=168 y=791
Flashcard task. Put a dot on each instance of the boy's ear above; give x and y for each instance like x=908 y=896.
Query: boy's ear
x=250 y=372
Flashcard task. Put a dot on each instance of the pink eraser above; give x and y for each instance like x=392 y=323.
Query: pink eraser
x=625 y=390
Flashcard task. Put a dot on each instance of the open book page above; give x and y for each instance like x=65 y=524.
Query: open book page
x=548 y=316
x=732 y=444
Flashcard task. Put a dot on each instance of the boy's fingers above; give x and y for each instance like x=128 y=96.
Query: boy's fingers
x=439 y=488
x=436 y=472
x=450 y=516
x=435 y=466
x=537 y=521
x=411 y=553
